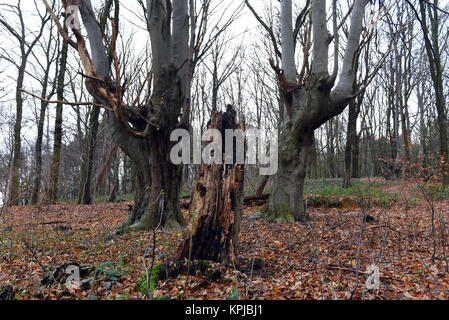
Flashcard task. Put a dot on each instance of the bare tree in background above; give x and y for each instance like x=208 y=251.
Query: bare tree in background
x=428 y=14
x=48 y=88
x=54 y=171
x=26 y=42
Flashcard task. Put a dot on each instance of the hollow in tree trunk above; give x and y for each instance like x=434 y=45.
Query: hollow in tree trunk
x=217 y=207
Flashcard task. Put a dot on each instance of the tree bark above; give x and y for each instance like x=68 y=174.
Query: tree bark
x=13 y=198
x=217 y=206
x=85 y=194
x=351 y=149
x=54 y=171
x=287 y=200
x=39 y=139
x=355 y=157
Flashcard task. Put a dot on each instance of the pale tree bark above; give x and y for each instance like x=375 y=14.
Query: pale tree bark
x=311 y=106
x=288 y=48
x=351 y=141
x=352 y=138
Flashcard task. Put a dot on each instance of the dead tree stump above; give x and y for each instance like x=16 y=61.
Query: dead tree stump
x=217 y=204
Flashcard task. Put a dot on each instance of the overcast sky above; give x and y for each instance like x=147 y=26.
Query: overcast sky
x=245 y=29
x=132 y=23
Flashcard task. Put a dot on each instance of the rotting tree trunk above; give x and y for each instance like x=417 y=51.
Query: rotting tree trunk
x=217 y=207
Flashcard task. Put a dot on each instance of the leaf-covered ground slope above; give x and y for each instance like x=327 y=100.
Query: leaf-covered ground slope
x=325 y=259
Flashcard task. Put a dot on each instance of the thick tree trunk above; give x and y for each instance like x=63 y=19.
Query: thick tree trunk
x=165 y=187
x=217 y=207
x=144 y=135
x=158 y=181
x=286 y=203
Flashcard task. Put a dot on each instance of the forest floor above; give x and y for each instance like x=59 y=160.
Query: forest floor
x=324 y=259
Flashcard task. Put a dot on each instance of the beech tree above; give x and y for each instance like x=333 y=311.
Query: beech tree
x=142 y=129
x=310 y=101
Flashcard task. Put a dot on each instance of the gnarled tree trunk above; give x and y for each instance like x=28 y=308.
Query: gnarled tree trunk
x=310 y=103
x=147 y=141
